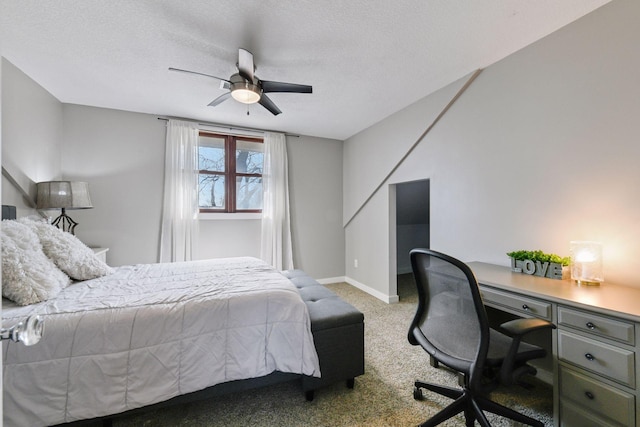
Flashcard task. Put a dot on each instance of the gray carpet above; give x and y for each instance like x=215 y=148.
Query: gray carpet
x=381 y=397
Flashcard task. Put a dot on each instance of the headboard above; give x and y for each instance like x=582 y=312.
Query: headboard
x=8 y=212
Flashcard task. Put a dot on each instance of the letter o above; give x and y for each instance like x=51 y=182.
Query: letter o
x=529 y=267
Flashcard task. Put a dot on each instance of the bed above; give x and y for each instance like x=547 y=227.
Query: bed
x=144 y=334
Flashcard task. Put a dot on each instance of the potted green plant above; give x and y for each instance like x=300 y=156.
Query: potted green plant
x=539 y=263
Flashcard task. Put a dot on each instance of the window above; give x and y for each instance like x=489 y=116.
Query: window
x=230 y=177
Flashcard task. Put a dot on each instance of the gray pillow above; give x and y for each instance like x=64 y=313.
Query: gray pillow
x=28 y=276
x=67 y=251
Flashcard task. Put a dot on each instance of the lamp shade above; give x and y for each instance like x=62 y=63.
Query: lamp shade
x=63 y=194
x=246 y=95
x=245 y=91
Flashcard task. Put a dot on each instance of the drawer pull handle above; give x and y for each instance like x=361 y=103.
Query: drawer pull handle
x=525 y=307
x=590 y=357
x=589 y=395
x=591 y=326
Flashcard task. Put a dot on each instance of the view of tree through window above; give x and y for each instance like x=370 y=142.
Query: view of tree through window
x=230 y=173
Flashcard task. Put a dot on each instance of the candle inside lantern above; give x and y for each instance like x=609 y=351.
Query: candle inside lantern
x=586 y=262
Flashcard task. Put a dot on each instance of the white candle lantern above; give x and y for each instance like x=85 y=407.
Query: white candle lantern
x=586 y=262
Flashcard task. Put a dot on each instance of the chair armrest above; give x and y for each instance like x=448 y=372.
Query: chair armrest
x=520 y=327
x=509 y=371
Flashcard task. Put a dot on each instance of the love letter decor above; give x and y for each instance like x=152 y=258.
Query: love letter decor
x=538 y=263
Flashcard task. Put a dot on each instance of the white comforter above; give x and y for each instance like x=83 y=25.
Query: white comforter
x=151 y=332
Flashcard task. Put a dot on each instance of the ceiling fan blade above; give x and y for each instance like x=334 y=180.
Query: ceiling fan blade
x=220 y=99
x=245 y=64
x=268 y=86
x=199 y=74
x=267 y=103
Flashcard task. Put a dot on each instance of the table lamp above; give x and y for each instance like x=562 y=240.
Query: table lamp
x=63 y=195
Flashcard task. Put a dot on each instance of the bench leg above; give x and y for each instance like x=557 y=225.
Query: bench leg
x=310 y=394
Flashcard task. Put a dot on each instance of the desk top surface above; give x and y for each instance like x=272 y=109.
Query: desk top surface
x=607 y=299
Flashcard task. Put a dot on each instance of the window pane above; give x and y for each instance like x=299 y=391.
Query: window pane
x=249 y=157
x=211 y=194
x=211 y=153
x=248 y=193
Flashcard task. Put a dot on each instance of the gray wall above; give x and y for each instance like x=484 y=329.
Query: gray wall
x=31 y=135
x=541 y=149
x=121 y=155
x=315 y=184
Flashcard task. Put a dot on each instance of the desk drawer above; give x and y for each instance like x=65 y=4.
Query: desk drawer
x=597 y=397
x=575 y=416
x=517 y=302
x=612 y=362
x=597 y=325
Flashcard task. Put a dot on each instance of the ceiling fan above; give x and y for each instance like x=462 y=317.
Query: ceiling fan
x=247 y=88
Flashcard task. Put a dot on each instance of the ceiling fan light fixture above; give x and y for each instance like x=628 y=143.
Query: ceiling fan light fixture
x=246 y=88
x=247 y=93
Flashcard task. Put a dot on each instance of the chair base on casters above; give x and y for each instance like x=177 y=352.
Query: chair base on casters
x=471 y=404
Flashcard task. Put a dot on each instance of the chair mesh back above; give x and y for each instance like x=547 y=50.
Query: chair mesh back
x=449 y=318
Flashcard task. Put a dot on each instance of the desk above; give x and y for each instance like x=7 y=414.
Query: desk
x=595 y=370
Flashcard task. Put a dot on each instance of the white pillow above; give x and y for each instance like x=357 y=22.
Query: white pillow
x=28 y=276
x=68 y=252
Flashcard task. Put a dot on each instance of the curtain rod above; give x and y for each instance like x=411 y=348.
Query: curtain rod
x=231 y=128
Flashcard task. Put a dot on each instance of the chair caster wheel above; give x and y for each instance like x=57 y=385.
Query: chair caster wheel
x=417 y=393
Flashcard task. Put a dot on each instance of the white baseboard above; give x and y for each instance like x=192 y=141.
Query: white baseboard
x=389 y=299
x=377 y=294
x=330 y=280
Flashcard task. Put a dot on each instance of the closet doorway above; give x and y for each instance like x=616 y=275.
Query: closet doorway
x=412 y=230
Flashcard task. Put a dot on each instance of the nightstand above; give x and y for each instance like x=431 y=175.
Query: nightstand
x=101 y=253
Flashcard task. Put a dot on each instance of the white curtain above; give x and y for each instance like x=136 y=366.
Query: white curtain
x=276 y=229
x=179 y=233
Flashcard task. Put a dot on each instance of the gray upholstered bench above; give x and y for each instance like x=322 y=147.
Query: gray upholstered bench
x=338 y=334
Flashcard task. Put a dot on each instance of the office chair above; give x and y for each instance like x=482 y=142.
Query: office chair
x=451 y=325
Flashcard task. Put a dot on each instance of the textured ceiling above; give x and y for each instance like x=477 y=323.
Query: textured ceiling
x=365 y=59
